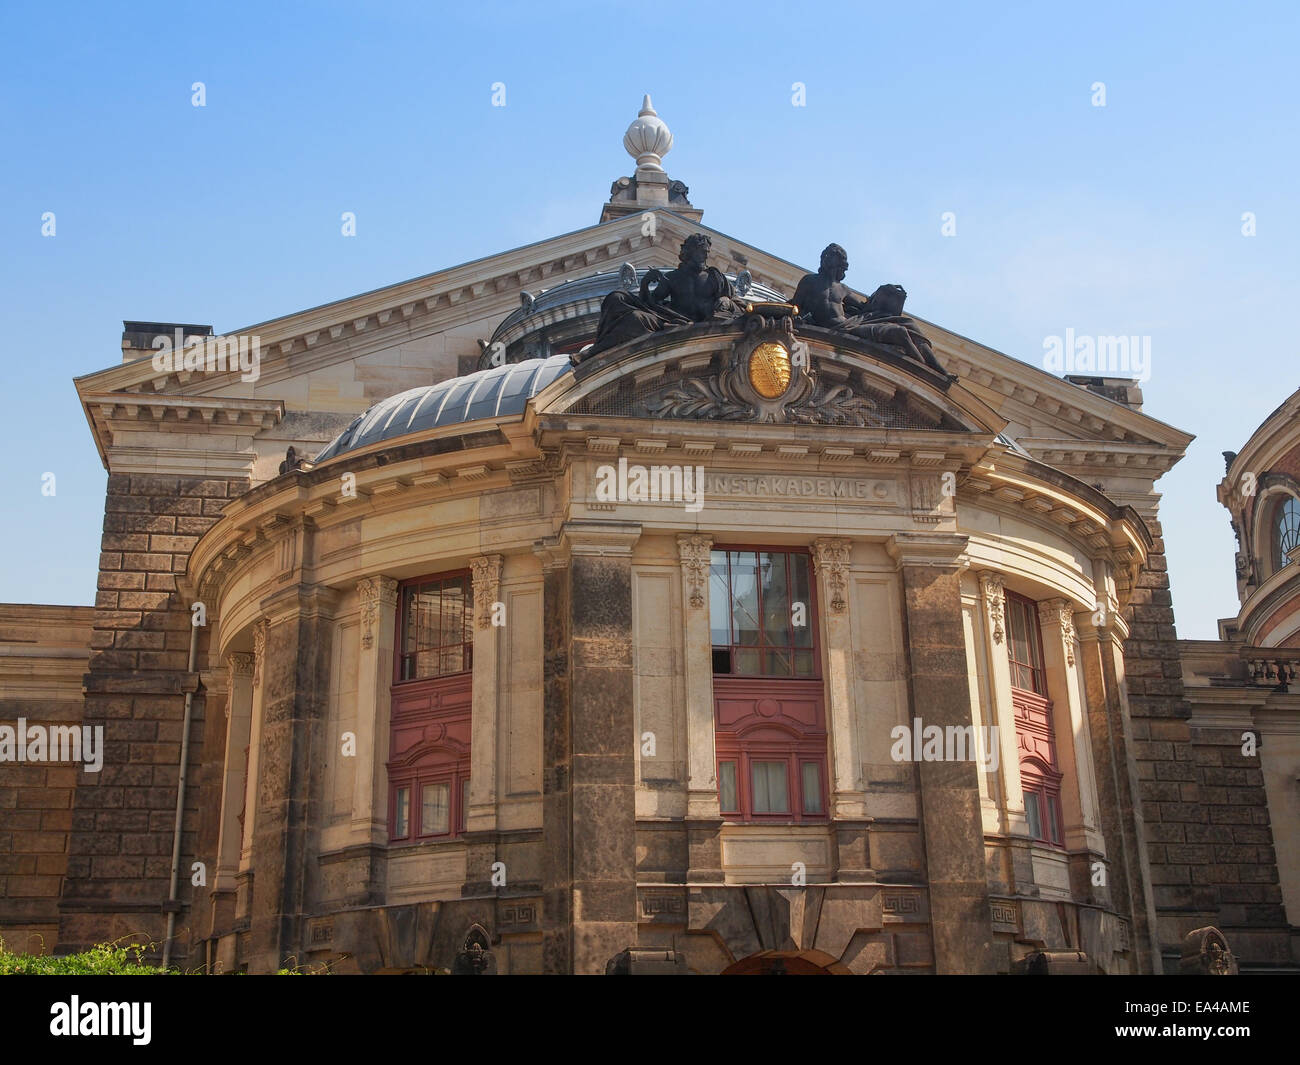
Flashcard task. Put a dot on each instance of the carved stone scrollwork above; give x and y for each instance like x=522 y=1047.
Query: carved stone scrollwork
x=995 y=601
x=695 y=565
x=487 y=580
x=259 y=651
x=377 y=594
x=831 y=558
x=1059 y=612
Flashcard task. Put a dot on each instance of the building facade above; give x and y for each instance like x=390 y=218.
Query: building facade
x=599 y=634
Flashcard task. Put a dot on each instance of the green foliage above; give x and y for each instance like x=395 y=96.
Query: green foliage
x=103 y=959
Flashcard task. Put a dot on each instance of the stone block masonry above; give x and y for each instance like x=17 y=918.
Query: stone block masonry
x=121 y=821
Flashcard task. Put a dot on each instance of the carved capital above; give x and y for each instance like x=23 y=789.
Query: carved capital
x=259 y=651
x=831 y=560
x=1058 y=612
x=377 y=594
x=995 y=601
x=487 y=582
x=695 y=556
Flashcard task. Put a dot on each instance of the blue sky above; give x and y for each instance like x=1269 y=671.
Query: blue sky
x=1123 y=219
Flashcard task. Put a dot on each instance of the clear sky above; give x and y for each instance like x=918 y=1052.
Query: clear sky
x=1117 y=220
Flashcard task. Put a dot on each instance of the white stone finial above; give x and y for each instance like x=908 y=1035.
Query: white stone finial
x=647 y=139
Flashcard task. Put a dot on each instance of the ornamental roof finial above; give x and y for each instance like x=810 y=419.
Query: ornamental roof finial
x=648 y=139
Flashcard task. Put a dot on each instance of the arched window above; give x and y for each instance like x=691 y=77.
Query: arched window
x=1286 y=530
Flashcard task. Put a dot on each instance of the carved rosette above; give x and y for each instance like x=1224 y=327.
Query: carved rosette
x=487 y=582
x=995 y=601
x=377 y=594
x=831 y=560
x=1059 y=612
x=259 y=651
x=695 y=566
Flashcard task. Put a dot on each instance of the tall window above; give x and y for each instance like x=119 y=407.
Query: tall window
x=1040 y=775
x=436 y=636
x=1286 y=530
x=760 y=614
x=428 y=766
x=768 y=698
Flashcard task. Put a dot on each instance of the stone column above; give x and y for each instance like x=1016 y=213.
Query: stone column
x=949 y=791
x=368 y=835
x=481 y=818
x=703 y=819
x=295 y=680
x=848 y=800
x=1078 y=803
x=589 y=763
x=1118 y=802
x=244 y=880
x=1019 y=872
x=239 y=714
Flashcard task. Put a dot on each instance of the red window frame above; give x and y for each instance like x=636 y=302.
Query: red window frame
x=763 y=649
x=1040 y=774
x=401 y=655
x=1022 y=621
x=772 y=739
x=437 y=708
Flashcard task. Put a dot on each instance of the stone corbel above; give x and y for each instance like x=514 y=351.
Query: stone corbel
x=995 y=601
x=695 y=556
x=831 y=561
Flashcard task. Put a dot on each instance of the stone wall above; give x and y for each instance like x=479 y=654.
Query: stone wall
x=1207 y=835
x=119 y=854
x=42 y=658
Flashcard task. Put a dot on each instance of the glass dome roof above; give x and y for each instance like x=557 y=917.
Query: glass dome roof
x=494 y=393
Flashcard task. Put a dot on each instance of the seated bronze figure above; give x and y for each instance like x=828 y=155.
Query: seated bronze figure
x=694 y=292
x=824 y=301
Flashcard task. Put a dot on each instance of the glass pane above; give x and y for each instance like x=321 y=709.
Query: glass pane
x=812 y=788
x=728 y=801
x=745 y=663
x=1034 y=815
x=770 y=795
x=800 y=592
x=778 y=663
x=1054 y=818
x=435 y=810
x=719 y=616
x=803 y=663
x=402 y=813
x=775 y=599
x=744 y=597
x=453 y=614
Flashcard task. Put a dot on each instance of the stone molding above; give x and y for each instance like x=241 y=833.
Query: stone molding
x=695 y=555
x=995 y=599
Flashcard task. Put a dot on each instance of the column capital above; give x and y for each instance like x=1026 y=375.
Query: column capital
x=1058 y=615
x=830 y=555
x=599 y=537
x=486 y=571
x=695 y=551
x=377 y=594
x=943 y=550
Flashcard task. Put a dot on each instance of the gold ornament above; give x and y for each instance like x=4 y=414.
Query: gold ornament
x=769 y=369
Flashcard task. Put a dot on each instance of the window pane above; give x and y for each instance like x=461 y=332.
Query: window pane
x=812 y=788
x=1054 y=818
x=719 y=614
x=464 y=803
x=728 y=800
x=435 y=810
x=745 y=663
x=1033 y=814
x=453 y=615
x=803 y=663
x=770 y=794
x=402 y=813
x=800 y=593
x=1286 y=531
x=778 y=663
x=744 y=597
x=775 y=599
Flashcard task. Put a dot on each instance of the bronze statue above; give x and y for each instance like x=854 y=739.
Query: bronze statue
x=694 y=292
x=824 y=301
